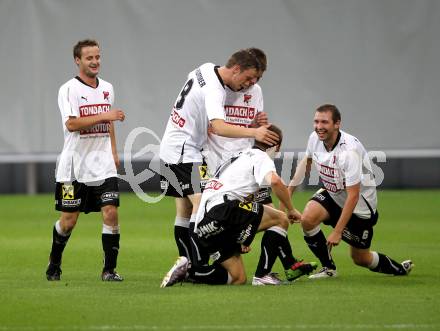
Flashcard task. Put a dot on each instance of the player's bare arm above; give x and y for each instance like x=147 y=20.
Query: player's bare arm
x=81 y=123
x=262 y=134
x=280 y=190
x=302 y=170
x=113 y=143
x=352 y=198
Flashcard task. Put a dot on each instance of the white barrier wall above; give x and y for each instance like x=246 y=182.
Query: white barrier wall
x=376 y=59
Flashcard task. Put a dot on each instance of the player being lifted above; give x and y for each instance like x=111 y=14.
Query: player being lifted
x=86 y=174
x=348 y=201
x=200 y=104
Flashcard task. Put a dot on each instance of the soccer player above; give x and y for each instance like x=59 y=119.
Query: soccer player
x=348 y=200
x=201 y=104
x=86 y=174
x=245 y=108
x=228 y=218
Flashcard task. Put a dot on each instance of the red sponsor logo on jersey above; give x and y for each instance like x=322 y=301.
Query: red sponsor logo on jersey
x=247 y=98
x=213 y=184
x=90 y=110
x=177 y=119
x=106 y=95
x=240 y=112
x=327 y=171
x=329 y=186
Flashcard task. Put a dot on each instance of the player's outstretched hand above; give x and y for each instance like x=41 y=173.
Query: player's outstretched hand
x=266 y=136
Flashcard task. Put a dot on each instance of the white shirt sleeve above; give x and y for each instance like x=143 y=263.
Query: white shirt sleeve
x=309 y=149
x=68 y=103
x=351 y=165
x=263 y=164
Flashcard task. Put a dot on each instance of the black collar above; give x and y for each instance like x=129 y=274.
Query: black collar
x=218 y=76
x=335 y=144
x=97 y=82
x=258 y=147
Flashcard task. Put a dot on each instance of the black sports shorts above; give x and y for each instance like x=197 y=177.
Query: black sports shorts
x=182 y=179
x=75 y=196
x=358 y=231
x=227 y=226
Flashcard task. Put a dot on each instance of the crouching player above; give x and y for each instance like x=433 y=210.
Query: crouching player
x=226 y=223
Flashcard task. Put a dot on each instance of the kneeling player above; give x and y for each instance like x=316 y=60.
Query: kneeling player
x=226 y=223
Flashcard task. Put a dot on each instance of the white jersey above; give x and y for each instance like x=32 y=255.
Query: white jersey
x=240 y=109
x=87 y=154
x=237 y=178
x=202 y=99
x=346 y=165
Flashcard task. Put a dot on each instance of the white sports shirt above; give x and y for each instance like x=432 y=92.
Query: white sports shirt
x=346 y=165
x=87 y=155
x=201 y=100
x=240 y=109
x=237 y=178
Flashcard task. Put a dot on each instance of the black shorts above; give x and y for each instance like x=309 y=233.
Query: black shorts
x=182 y=179
x=72 y=197
x=263 y=196
x=358 y=231
x=227 y=226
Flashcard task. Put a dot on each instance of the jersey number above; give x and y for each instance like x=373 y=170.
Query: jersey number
x=183 y=94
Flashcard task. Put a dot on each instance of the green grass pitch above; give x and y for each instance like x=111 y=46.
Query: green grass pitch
x=408 y=227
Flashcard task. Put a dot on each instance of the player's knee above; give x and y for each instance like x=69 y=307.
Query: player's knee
x=307 y=222
x=68 y=222
x=283 y=221
x=110 y=215
x=239 y=279
x=362 y=260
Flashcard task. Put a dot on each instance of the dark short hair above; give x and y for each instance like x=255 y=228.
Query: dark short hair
x=248 y=58
x=83 y=43
x=275 y=129
x=336 y=114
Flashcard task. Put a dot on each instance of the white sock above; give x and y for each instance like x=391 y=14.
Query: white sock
x=181 y=221
x=312 y=232
x=60 y=232
x=375 y=262
x=108 y=229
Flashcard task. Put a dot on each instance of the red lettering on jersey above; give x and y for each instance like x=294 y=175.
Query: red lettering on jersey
x=177 y=119
x=213 y=185
x=240 y=112
x=326 y=171
x=90 y=110
x=329 y=186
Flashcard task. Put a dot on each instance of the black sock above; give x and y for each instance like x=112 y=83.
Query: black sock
x=198 y=255
x=213 y=274
x=269 y=252
x=110 y=245
x=318 y=245
x=387 y=265
x=285 y=252
x=181 y=236
x=58 y=244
